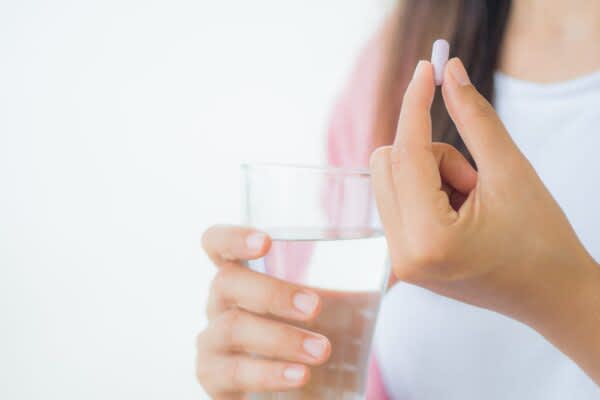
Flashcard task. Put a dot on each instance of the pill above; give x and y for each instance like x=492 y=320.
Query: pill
x=439 y=57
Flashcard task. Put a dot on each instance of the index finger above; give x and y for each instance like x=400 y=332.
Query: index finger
x=258 y=293
x=226 y=243
x=414 y=123
x=414 y=167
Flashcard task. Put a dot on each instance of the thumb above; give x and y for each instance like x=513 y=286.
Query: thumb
x=476 y=120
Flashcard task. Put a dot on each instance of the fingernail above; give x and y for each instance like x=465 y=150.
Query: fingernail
x=306 y=302
x=255 y=241
x=458 y=72
x=315 y=347
x=294 y=373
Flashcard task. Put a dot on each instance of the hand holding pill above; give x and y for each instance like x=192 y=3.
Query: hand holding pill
x=507 y=241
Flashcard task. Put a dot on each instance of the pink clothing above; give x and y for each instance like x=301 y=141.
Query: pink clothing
x=349 y=144
x=350 y=130
x=375 y=388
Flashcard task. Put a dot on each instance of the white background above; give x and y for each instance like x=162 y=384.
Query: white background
x=122 y=125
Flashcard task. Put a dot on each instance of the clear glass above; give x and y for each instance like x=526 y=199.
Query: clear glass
x=326 y=236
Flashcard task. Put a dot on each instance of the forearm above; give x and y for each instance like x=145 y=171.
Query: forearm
x=568 y=314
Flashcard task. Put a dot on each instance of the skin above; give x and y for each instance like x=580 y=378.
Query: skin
x=241 y=307
x=494 y=237
x=539 y=32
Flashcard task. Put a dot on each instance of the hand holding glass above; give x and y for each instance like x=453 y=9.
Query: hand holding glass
x=324 y=236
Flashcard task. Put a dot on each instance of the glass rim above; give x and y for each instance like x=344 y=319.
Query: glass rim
x=325 y=169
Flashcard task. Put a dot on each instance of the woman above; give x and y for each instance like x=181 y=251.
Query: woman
x=470 y=222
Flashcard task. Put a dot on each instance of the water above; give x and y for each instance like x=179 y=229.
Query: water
x=348 y=270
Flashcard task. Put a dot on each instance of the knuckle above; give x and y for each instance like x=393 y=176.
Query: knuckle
x=222 y=279
x=234 y=372
x=228 y=325
x=208 y=340
x=277 y=298
x=285 y=337
x=203 y=372
x=261 y=377
x=420 y=255
x=428 y=255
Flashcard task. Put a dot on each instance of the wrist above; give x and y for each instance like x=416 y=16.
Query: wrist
x=563 y=300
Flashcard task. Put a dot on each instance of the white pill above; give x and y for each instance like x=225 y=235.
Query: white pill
x=439 y=57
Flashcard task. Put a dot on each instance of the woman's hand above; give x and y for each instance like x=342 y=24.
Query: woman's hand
x=494 y=237
x=248 y=346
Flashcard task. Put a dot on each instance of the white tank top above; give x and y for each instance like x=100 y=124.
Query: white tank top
x=432 y=348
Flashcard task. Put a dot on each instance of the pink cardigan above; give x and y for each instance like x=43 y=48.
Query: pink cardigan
x=349 y=141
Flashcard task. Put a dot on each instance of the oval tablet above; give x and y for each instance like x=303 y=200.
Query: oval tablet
x=439 y=57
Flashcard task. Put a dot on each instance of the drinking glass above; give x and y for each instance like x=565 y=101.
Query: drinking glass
x=325 y=236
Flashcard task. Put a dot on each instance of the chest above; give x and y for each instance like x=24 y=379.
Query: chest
x=562 y=142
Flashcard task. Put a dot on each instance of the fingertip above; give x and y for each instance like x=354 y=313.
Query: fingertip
x=421 y=89
x=424 y=75
x=455 y=74
x=414 y=123
x=456 y=79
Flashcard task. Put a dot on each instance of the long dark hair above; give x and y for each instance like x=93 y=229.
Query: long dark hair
x=474 y=29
